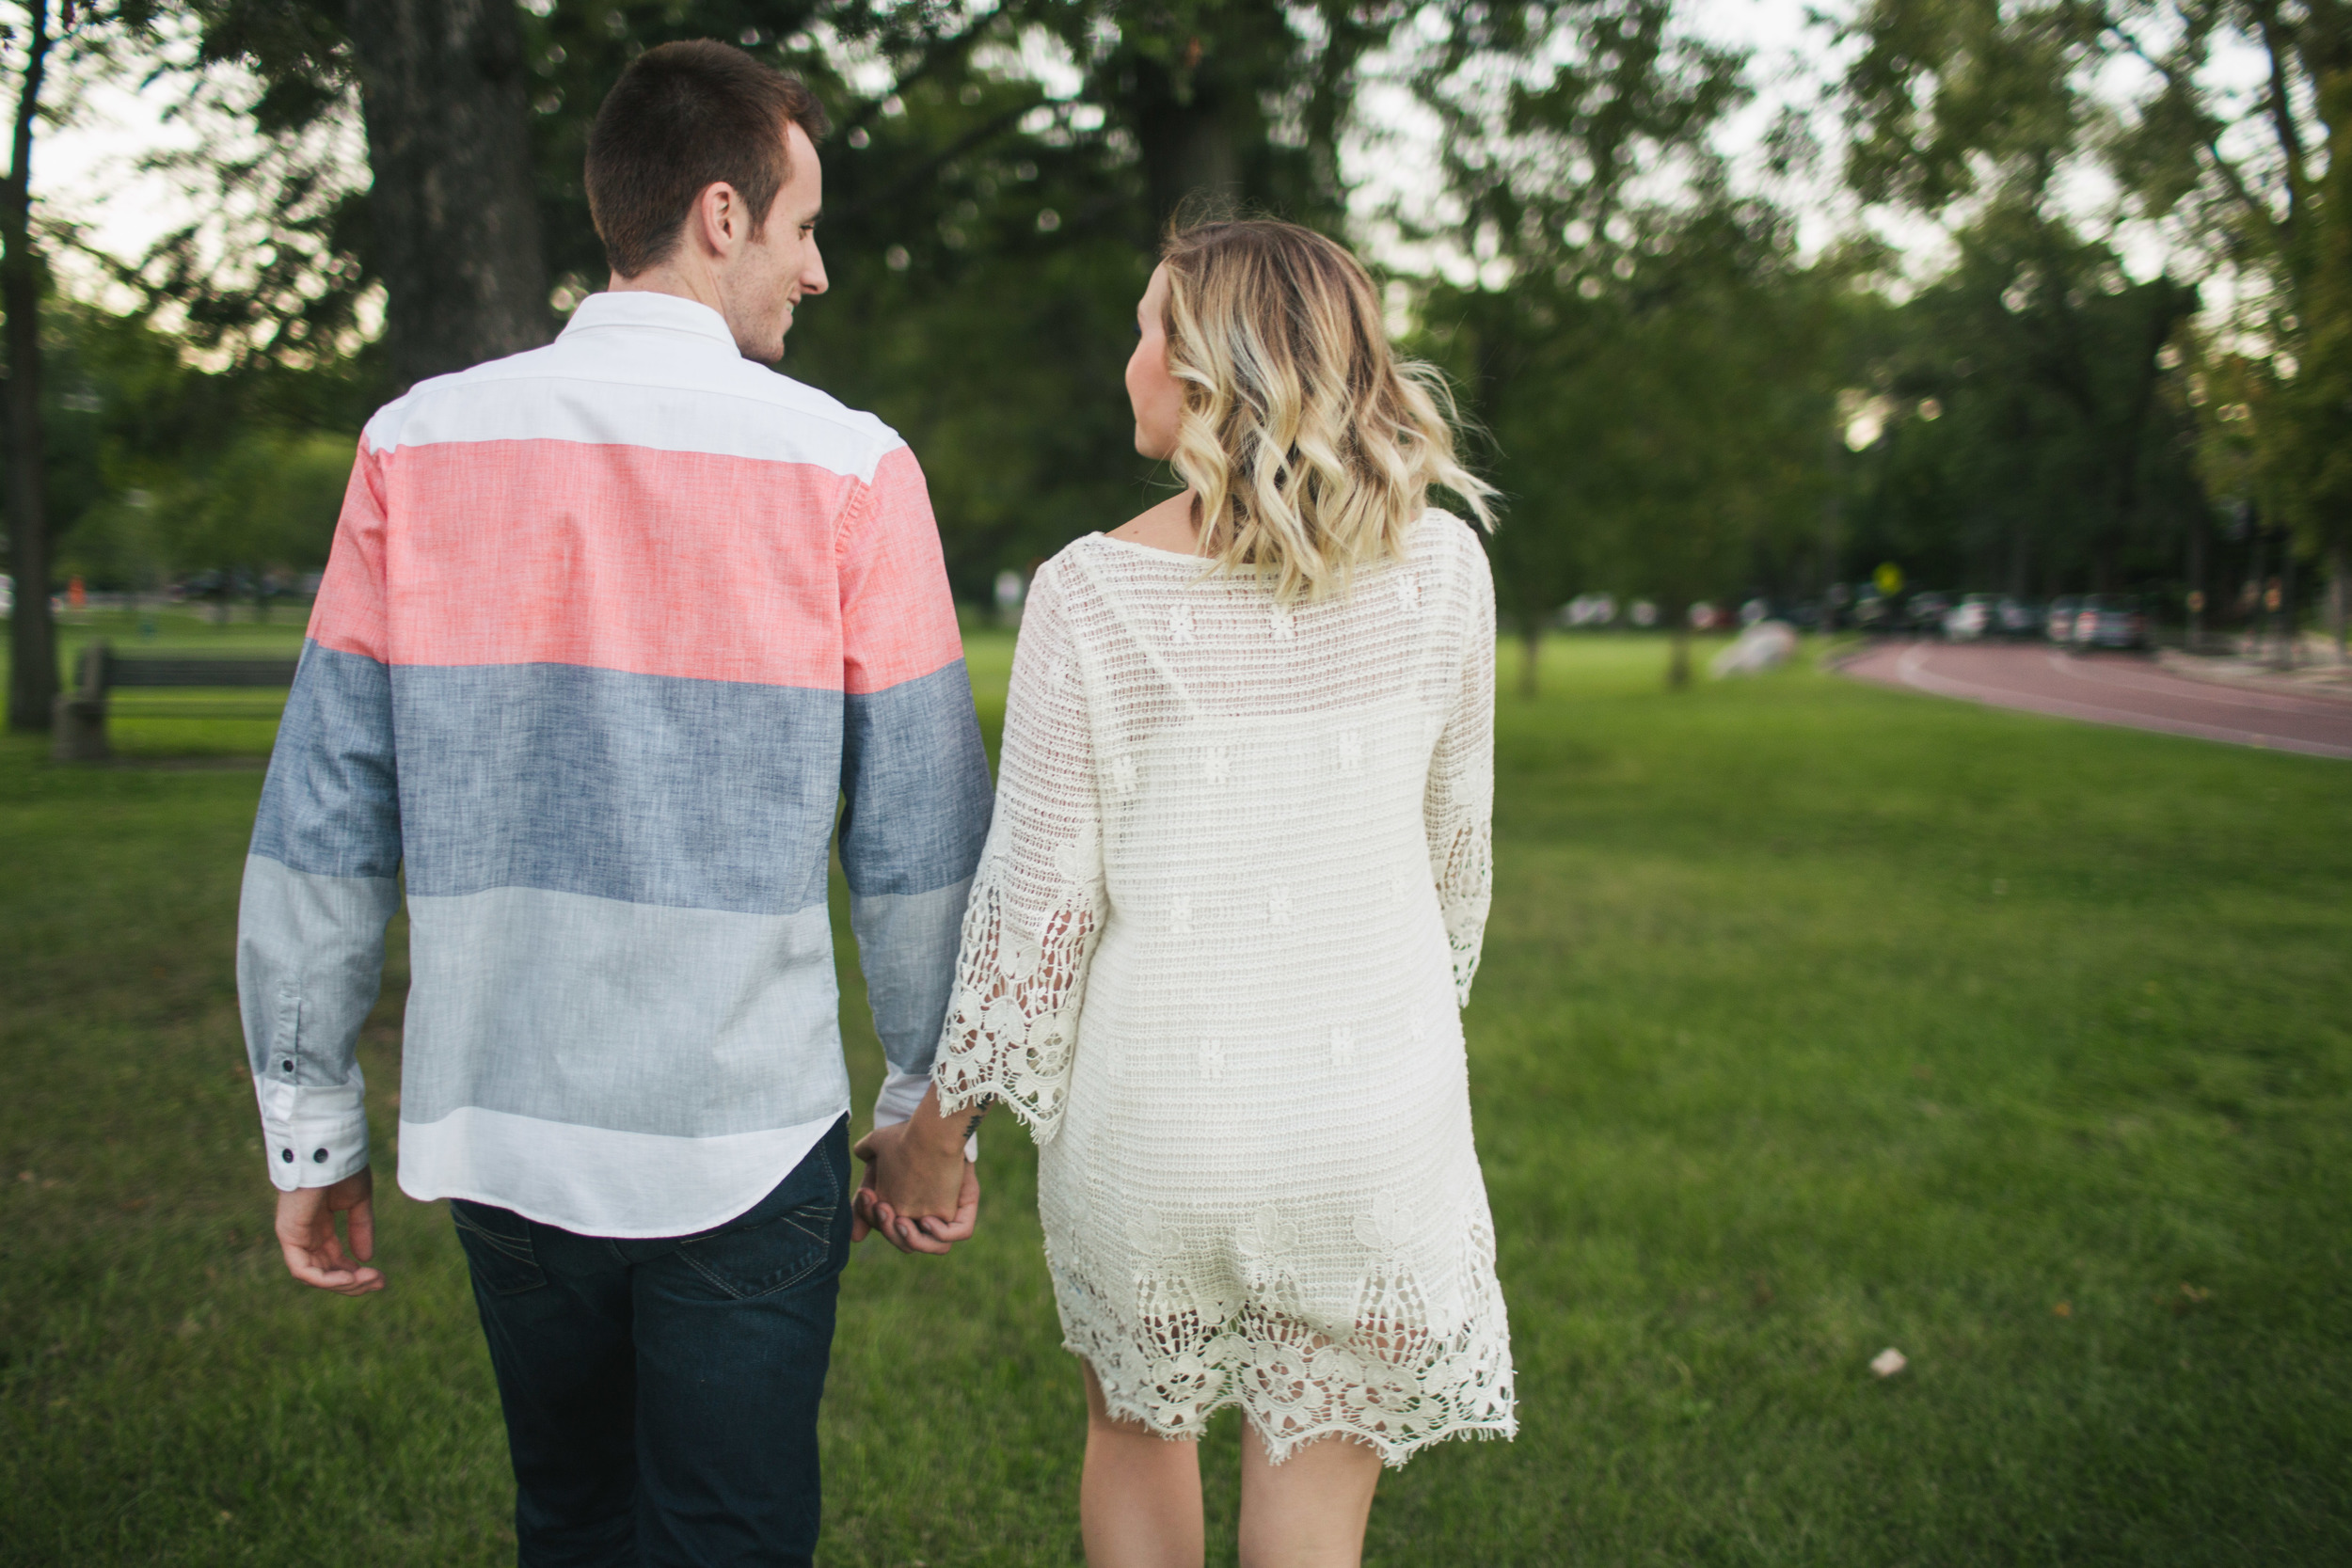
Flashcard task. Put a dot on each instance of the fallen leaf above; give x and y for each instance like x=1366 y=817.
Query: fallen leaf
x=1889 y=1361
x=2063 y=1309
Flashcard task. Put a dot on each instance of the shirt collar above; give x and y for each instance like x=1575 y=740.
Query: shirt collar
x=640 y=308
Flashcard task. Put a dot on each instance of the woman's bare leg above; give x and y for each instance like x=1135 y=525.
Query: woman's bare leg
x=1139 y=1497
x=1308 y=1512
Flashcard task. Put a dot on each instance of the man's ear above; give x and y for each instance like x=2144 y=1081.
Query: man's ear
x=719 y=217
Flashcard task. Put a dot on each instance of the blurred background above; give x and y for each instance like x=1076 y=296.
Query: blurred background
x=1751 y=299
x=1918 y=1131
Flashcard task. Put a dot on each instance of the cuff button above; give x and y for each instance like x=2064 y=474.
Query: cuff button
x=287 y=1155
x=318 y=1157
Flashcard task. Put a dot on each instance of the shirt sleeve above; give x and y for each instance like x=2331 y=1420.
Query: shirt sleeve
x=1039 y=901
x=914 y=775
x=319 y=878
x=1458 y=806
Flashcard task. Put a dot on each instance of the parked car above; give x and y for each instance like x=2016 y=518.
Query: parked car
x=1924 y=610
x=2016 y=618
x=2058 y=626
x=1875 y=612
x=1972 y=618
x=2111 y=621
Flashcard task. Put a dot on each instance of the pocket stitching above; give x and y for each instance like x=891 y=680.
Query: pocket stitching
x=822 y=1237
x=516 y=1250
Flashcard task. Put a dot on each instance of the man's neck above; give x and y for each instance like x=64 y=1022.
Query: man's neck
x=683 y=279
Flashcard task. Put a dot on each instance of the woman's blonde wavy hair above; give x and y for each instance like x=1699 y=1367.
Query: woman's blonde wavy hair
x=1309 y=445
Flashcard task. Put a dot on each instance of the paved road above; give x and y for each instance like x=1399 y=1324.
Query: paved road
x=2112 y=689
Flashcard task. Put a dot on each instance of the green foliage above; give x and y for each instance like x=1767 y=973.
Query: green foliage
x=1815 y=1019
x=157 y=467
x=1659 y=435
x=2300 y=402
x=1954 y=97
x=1653 y=366
x=271 y=500
x=2037 y=434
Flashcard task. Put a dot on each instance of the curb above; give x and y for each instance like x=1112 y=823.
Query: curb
x=2334 y=686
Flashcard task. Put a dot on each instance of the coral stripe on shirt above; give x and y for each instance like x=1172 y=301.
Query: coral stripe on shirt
x=623 y=558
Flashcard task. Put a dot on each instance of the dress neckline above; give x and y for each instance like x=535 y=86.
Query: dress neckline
x=1152 y=549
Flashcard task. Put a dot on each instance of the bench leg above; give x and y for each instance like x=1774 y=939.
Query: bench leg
x=79 y=730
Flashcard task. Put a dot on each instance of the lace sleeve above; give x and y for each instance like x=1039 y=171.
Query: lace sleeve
x=1037 y=900
x=1458 y=808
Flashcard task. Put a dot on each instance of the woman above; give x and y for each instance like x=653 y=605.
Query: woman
x=1230 y=901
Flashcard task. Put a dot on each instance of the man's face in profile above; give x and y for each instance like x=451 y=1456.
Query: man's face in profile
x=781 y=265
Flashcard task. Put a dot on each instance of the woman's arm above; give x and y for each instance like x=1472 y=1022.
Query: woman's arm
x=1458 y=808
x=1038 y=901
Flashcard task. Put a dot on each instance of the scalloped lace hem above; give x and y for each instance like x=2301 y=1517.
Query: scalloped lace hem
x=968 y=1092
x=1291 y=1434
x=1397 y=1384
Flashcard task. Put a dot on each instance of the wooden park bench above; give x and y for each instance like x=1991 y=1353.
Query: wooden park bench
x=81 y=714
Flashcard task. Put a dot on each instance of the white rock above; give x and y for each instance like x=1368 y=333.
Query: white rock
x=1766 y=646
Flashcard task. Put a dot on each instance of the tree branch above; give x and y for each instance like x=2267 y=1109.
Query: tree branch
x=986 y=131
x=2274 y=229
x=2282 y=114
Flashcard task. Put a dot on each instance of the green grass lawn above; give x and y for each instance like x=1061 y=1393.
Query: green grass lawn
x=1816 y=1019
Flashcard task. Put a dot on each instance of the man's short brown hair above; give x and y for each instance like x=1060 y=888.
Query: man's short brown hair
x=683 y=118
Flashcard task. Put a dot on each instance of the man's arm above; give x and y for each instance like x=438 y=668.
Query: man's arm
x=914 y=779
x=319 y=887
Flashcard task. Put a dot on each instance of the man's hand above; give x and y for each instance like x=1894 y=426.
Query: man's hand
x=314 y=1253
x=919 y=1191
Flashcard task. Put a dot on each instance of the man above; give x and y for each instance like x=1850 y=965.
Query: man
x=610 y=631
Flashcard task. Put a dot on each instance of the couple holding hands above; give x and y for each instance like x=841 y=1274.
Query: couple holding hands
x=621 y=635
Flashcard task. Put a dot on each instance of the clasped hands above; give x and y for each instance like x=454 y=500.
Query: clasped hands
x=920 y=1194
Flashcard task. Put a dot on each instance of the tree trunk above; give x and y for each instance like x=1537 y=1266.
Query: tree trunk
x=32 y=637
x=2253 y=643
x=2338 y=589
x=1184 y=122
x=443 y=90
x=1531 y=647
x=2287 y=616
x=2197 y=603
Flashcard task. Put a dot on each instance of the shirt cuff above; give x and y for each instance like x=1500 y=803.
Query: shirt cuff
x=314 y=1136
x=901 y=1092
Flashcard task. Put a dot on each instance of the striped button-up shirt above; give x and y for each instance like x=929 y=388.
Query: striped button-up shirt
x=611 y=633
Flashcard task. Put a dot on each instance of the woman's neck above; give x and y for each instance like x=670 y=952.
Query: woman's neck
x=1172 y=525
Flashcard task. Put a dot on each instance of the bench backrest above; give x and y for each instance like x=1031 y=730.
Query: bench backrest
x=103 y=669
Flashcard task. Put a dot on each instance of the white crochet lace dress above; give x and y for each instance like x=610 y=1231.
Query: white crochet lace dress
x=1231 y=902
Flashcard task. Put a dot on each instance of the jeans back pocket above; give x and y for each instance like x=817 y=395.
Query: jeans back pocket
x=788 y=1237
x=497 y=1246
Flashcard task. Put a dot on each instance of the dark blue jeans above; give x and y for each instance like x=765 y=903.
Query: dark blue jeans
x=661 y=1395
